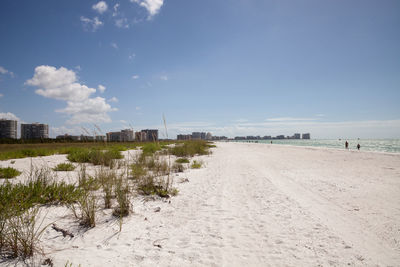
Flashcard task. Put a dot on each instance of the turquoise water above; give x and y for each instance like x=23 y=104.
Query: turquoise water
x=380 y=145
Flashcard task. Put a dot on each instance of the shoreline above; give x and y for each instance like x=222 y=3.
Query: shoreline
x=313 y=147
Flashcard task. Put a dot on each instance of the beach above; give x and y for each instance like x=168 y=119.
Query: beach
x=249 y=205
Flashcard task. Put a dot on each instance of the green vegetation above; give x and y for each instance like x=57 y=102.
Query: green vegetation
x=9 y=172
x=15 y=151
x=94 y=156
x=190 y=149
x=64 y=167
x=196 y=165
x=182 y=160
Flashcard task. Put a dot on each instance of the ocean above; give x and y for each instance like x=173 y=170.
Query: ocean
x=378 y=145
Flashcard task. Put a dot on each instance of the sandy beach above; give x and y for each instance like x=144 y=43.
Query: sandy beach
x=250 y=205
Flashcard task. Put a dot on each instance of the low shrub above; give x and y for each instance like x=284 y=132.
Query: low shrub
x=196 y=165
x=9 y=173
x=190 y=149
x=95 y=156
x=182 y=160
x=64 y=167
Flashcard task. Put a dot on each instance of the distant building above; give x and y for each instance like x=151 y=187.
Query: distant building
x=140 y=136
x=34 y=131
x=69 y=137
x=114 y=137
x=100 y=138
x=127 y=135
x=305 y=136
x=296 y=136
x=196 y=135
x=184 y=137
x=208 y=136
x=8 y=129
x=267 y=137
x=151 y=134
x=280 y=137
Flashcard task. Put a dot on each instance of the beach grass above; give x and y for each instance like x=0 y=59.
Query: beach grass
x=9 y=172
x=64 y=167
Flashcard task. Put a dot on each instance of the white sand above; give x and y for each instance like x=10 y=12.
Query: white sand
x=251 y=205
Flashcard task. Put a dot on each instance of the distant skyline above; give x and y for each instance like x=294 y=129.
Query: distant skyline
x=233 y=68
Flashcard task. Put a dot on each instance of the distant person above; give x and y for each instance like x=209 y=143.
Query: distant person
x=358 y=146
x=346 y=145
x=271 y=142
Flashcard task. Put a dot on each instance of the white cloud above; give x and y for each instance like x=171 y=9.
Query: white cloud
x=115 y=13
x=113 y=99
x=164 y=77
x=132 y=56
x=92 y=110
x=123 y=121
x=5 y=71
x=91 y=24
x=1 y=95
x=100 y=7
x=291 y=119
x=9 y=116
x=122 y=23
x=101 y=88
x=152 y=6
x=59 y=84
x=114 y=45
x=135 y=77
x=138 y=108
x=78 y=68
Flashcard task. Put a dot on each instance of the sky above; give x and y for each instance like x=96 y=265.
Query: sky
x=229 y=67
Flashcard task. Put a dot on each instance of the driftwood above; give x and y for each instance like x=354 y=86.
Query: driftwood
x=64 y=232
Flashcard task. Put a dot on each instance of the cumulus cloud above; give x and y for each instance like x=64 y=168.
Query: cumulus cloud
x=113 y=99
x=59 y=84
x=100 y=7
x=91 y=24
x=62 y=84
x=115 y=13
x=92 y=110
x=6 y=72
x=164 y=77
x=122 y=23
x=135 y=77
x=132 y=56
x=9 y=116
x=152 y=6
x=101 y=88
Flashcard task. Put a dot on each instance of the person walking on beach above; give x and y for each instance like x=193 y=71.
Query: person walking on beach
x=346 y=145
x=358 y=146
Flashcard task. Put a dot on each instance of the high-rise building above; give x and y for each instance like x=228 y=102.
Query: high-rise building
x=114 y=136
x=127 y=135
x=151 y=134
x=140 y=136
x=8 y=129
x=305 y=136
x=34 y=131
x=296 y=136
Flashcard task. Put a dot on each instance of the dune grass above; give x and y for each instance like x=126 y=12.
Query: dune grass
x=9 y=173
x=190 y=148
x=182 y=160
x=196 y=164
x=64 y=167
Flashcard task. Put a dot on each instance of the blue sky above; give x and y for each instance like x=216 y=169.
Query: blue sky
x=231 y=67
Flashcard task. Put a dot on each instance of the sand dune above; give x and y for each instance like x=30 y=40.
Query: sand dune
x=252 y=205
